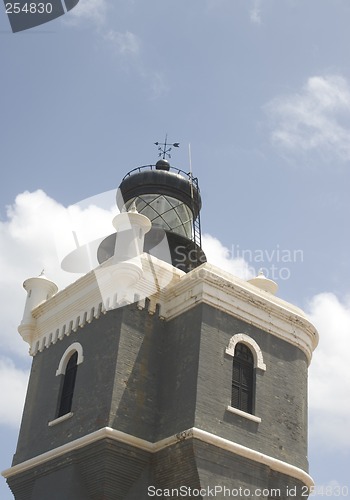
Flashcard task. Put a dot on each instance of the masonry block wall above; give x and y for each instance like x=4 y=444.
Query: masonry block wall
x=152 y=379
x=280 y=391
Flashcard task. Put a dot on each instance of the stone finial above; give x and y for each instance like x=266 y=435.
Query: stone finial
x=264 y=283
x=131 y=228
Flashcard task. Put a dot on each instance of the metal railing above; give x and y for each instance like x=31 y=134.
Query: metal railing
x=178 y=171
x=197 y=233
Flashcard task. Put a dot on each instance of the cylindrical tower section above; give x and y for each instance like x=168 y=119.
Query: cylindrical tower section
x=171 y=200
x=38 y=290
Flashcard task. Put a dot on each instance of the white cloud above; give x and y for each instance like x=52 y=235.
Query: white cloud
x=126 y=45
x=329 y=382
x=95 y=11
x=158 y=84
x=37 y=234
x=88 y=10
x=220 y=256
x=255 y=12
x=13 y=386
x=123 y=43
x=316 y=119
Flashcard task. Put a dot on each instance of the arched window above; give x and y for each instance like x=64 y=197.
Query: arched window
x=242 y=378
x=65 y=403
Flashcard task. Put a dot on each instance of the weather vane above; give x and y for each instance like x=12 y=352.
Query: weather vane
x=165 y=148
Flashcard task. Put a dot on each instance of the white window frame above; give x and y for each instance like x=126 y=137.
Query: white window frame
x=258 y=363
x=76 y=346
x=61 y=370
x=248 y=341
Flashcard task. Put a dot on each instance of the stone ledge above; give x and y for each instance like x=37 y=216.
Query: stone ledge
x=243 y=414
x=193 y=433
x=60 y=419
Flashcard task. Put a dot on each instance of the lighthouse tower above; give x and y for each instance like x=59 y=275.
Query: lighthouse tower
x=158 y=374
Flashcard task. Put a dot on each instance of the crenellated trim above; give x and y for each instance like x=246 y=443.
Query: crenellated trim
x=86 y=317
x=67 y=328
x=168 y=292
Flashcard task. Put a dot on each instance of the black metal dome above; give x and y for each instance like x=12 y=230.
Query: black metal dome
x=159 y=181
x=170 y=198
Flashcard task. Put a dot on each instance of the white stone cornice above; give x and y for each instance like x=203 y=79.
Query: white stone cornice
x=92 y=295
x=210 y=285
x=193 y=433
x=174 y=292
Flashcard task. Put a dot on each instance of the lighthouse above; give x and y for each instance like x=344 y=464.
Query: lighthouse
x=158 y=374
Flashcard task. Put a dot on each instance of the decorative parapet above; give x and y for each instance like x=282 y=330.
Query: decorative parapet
x=93 y=295
x=217 y=288
x=169 y=292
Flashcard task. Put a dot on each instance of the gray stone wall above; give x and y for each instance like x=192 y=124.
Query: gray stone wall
x=153 y=379
x=243 y=478
x=280 y=392
x=105 y=470
x=93 y=389
x=179 y=372
x=117 y=385
x=137 y=374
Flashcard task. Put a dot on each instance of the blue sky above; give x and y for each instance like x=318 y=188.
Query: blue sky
x=261 y=91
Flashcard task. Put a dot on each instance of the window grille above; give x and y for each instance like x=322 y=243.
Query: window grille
x=242 y=379
x=68 y=386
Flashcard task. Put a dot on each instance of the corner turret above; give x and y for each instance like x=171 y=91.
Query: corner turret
x=39 y=289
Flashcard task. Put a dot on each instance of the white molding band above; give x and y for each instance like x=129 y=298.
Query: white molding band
x=91 y=296
x=204 y=436
x=174 y=293
x=245 y=339
x=223 y=291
